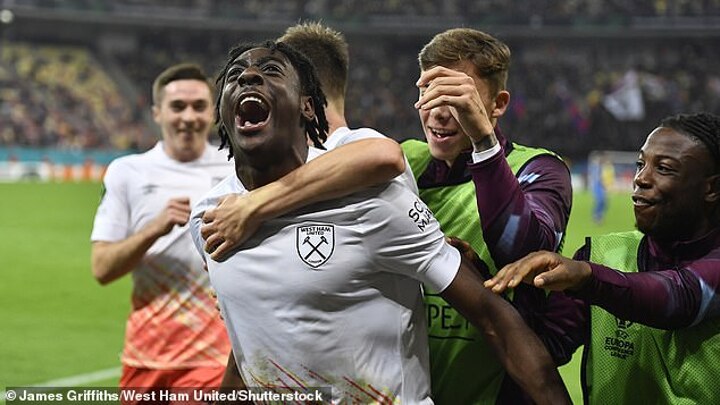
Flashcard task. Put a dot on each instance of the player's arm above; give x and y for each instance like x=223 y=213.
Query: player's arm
x=517 y=217
x=665 y=299
x=526 y=215
x=558 y=319
x=112 y=260
x=340 y=172
x=517 y=347
x=232 y=378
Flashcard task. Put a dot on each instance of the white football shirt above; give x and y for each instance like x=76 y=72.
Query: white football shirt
x=345 y=135
x=330 y=295
x=173 y=323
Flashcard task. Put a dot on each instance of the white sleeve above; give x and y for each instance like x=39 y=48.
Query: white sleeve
x=112 y=219
x=208 y=201
x=358 y=135
x=205 y=203
x=406 y=238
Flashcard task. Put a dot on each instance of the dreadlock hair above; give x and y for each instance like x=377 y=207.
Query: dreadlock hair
x=704 y=127
x=315 y=129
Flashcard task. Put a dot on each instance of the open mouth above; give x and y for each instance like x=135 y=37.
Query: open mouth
x=639 y=201
x=252 y=114
x=441 y=133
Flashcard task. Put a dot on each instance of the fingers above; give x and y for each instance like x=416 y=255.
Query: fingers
x=212 y=242
x=457 y=243
x=556 y=279
x=458 y=94
x=209 y=216
x=438 y=71
x=214 y=296
x=221 y=252
x=524 y=269
x=224 y=198
x=500 y=282
x=207 y=230
x=178 y=210
x=180 y=201
x=566 y=274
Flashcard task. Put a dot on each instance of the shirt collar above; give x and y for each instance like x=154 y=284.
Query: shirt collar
x=682 y=251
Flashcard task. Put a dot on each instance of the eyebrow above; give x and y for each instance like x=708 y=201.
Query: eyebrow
x=661 y=156
x=268 y=58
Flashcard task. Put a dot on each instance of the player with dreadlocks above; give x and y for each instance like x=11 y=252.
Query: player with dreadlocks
x=359 y=158
x=330 y=295
x=651 y=296
x=316 y=129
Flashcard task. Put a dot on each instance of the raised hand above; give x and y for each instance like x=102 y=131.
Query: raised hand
x=176 y=212
x=441 y=86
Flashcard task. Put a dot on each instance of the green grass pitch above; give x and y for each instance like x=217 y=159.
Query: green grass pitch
x=58 y=322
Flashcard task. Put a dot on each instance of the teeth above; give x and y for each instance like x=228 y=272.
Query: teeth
x=251 y=98
x=442 y=131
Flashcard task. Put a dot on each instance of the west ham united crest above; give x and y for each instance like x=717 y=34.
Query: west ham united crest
x=315 y=243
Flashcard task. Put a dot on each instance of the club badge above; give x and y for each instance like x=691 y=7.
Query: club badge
x=315 y=243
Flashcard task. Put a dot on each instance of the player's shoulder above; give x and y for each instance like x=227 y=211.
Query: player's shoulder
x=345 y=135
x=536 y=159
x=213 y=154
x=366 y=132
x=229 y=185
x=127 y=165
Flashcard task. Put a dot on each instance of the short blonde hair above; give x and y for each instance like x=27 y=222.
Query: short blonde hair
x=328 y=52
x=489 y=55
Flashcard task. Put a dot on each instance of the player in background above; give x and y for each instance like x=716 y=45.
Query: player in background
x=468 y=168
x=649 y=298
x=173 y=337
x=601 y=175
x=330 y=294
x=361 y=157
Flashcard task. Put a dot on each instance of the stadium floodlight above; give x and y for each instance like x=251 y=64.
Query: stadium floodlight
x=6 y=16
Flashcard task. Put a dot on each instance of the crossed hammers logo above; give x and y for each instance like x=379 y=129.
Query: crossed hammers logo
x=315 y=247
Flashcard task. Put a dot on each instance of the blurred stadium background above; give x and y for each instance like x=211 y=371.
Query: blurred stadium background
x=75 y=78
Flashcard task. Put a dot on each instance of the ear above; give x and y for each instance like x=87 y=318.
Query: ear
x=156 y=113
x=308 y=108
x=502 y=101
x=712 y=189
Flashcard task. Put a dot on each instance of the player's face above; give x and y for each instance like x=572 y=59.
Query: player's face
x=185 y=115
x=261 y=106
x=670 y=186
x=444 y=134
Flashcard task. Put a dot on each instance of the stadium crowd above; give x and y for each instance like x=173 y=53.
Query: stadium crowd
x=61 y=97
x=565 y=94
x=555 y=12
x=572 y=95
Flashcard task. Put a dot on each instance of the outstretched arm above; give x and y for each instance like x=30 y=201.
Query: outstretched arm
x=662 y=298
x=340 y=172
x=112 y=260
x=518 y=348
